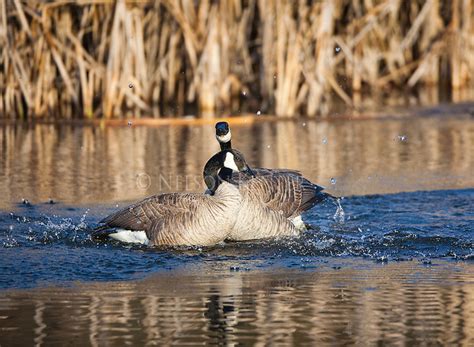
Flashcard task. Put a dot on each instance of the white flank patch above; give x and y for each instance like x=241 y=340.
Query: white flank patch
x=298 y=223
x=129 y=236
x=229 y=162
x=224 y=138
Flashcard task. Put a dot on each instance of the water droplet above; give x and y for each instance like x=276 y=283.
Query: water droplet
x=338 y=49
x=304 y=124
x=268 y=146
x=402 y=138
x=325 y=140
x=333 y=180
x=244 y=93
x=129 y=123
x=130 y=85
x=259 y=113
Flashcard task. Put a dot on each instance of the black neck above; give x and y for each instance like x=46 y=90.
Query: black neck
x=225 y=174
x=226 y=145
x=211 y=172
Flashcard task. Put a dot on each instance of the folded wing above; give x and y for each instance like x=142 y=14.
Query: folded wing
x=290 y=194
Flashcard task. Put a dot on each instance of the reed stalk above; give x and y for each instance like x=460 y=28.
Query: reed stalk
x=123 y=58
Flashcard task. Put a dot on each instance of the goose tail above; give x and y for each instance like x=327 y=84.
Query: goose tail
x=313 y=195
x=325 y=196
x=101 y=233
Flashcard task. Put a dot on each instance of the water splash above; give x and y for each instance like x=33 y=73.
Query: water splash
x=10 y=241
x=339 y=216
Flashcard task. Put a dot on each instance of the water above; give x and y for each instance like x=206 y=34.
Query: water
x=49 y=244
x=400 y=303
x=391 y=264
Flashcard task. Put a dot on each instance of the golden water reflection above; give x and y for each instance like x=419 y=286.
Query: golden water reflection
x=76 y=164
x=364 y=304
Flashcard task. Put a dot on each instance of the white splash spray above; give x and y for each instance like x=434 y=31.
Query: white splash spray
x=339 y=216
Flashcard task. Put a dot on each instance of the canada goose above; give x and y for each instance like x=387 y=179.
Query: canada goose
x=282 y=190
x=183 y=218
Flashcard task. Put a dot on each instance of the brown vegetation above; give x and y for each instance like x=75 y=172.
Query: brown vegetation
x=104 y=59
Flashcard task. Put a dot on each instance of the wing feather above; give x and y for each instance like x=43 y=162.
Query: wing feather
x=142 y=214
x=289 y=193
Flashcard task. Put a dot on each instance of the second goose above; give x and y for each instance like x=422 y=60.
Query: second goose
x=282 y=190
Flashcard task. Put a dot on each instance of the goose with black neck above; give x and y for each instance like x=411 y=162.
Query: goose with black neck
x=283 y=190
x=183 y=219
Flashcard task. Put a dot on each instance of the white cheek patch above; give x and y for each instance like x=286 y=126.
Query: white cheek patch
x=224 y=138
x=229 y=162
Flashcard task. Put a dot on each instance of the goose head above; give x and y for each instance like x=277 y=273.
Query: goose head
x=223 y=134
x=220 y=167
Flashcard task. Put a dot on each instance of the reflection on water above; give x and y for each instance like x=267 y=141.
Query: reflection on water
x=318 y=289
x=401 y=303
x=84 y=164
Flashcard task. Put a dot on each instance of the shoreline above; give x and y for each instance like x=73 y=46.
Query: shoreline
x=398 y=112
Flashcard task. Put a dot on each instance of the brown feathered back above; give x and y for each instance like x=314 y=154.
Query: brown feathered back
x=282 y=190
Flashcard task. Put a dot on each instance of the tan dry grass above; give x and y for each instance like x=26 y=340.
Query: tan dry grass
x=106 y=59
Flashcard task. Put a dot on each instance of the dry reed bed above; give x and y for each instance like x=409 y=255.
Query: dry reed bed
x=93 y=58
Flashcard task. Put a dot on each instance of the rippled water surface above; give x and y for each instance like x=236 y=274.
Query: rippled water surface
x=402 y=303
x=395 y=267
